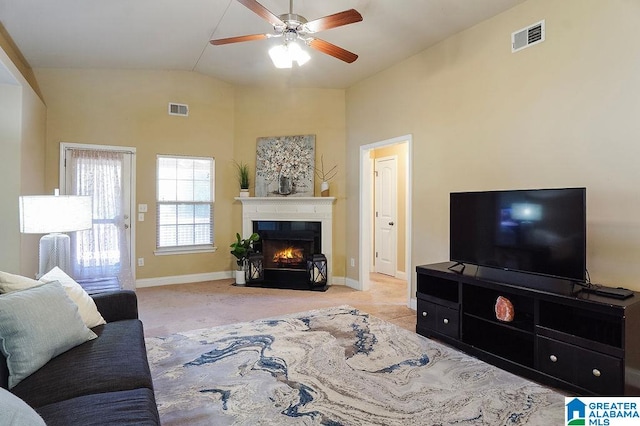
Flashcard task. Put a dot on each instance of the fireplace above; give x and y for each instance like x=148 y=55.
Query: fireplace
x=287 y=244
x=292 y=230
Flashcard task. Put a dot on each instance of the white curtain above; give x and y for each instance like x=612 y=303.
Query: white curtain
x=101 y=253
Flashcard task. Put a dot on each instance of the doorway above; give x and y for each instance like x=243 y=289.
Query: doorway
x=102 y=257
x=367 y=261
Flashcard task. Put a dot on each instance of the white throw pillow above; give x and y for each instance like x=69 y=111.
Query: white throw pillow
x=10 y=282
x=86 y=306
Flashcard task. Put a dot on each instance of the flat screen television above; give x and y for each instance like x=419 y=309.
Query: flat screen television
x=540 y=231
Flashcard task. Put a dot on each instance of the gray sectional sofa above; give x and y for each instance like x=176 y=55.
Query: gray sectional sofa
x=104 y=381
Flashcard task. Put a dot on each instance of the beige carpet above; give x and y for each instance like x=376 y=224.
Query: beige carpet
x=176 y=308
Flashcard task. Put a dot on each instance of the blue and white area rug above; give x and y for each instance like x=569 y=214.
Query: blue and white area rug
x=336 y=366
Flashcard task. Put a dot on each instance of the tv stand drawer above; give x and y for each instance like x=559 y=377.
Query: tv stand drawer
x=427 y=314
x=439 y=318
x=590 y=370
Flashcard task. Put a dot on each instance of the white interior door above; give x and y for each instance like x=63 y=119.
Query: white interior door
x=386 y=205
x=102 y=255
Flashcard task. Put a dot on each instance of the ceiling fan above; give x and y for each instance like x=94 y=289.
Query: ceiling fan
x=293 y=27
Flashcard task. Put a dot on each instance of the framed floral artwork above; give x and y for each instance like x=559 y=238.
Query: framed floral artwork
x=285 y=166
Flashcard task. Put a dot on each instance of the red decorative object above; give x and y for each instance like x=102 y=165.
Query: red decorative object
x=504 y=309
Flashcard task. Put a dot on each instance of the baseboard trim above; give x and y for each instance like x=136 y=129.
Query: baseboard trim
x=338 y=281
x=401 y=275
x=354 y=284
x=183 y=279
x=413 y=303
x=197 y=278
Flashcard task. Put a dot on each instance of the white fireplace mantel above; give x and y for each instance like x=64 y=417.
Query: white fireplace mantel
x=311 y=209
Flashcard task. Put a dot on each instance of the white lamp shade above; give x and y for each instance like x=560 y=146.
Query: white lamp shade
x=42 y=214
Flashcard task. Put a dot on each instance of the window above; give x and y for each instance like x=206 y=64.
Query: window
x=185 y=195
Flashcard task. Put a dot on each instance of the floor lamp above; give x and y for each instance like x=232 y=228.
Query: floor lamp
x=53 y=215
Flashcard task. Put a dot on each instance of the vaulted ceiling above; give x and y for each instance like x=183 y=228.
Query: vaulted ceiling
x=175 y=34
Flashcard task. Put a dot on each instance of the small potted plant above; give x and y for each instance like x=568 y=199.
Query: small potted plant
x=241 y=248
x=325 y=177
x=243 y=178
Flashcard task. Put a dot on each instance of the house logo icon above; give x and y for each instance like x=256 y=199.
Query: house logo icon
x=576 y=412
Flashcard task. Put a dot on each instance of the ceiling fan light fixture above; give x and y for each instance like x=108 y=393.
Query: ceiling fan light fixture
x=280 y=56
x=296 y=53
x=283 y=55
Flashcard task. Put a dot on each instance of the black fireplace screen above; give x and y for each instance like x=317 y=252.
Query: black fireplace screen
x=287 y=244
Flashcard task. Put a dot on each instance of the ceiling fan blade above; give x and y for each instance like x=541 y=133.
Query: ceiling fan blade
x=331 y=21
x=238 y=39
x=333 y=50
x=263 y=12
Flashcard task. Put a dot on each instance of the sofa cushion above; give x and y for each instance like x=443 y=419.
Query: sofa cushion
x=36 y=325
x=115 y=361
x=132 y=407
x=15 y=412
x=86 y=306
x=117 y=305
x=11 y=282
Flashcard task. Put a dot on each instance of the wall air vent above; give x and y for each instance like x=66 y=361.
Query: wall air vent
x=178 y=109
x=527 y=37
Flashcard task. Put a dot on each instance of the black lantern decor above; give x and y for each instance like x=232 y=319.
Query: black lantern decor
x=317 y=270
x=254 y=270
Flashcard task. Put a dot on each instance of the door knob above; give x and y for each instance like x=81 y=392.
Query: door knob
x=391 y=223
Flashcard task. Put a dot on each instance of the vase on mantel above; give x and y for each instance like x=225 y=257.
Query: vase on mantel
x=324 y=189
x=244 y=192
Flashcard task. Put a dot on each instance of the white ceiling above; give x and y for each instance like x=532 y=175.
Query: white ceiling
x=175 y=34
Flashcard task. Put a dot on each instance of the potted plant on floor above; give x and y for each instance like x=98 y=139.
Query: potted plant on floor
x=243 y=178
x=241 y=248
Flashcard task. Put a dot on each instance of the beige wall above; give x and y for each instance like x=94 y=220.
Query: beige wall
x=22 y=142
x=562 y=113
x=10 y=108
x=33 y=131
x=400 y=151
x=262 y=112
x=129 y=108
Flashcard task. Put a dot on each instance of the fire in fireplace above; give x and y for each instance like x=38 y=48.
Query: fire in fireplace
x=289 y=256
x=287 y=244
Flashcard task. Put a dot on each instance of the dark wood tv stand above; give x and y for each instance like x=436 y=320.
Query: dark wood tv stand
x=580 y=342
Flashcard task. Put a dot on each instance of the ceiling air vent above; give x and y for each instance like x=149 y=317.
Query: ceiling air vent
x=527 y=37
x=178 y=109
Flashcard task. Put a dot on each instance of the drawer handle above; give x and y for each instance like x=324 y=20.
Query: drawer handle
x=596 y=372
x=446 y=321
x=424 y=313
x=553 y=358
